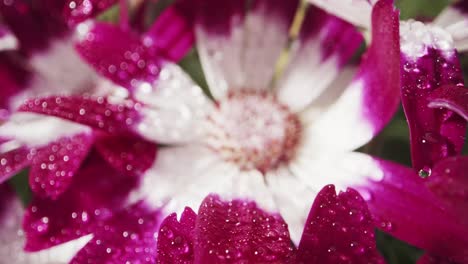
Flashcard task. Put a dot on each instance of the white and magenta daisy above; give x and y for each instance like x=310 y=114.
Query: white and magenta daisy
x=276 y=141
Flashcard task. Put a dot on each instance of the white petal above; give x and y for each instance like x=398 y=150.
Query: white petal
x=174 y=109
x=37 y=130
x=357 y=12
x=293 y=198
x=341 y=169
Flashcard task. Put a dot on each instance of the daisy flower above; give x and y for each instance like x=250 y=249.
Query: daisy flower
x=271 y=141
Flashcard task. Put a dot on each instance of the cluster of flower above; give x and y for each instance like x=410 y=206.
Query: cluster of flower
x=118 y=139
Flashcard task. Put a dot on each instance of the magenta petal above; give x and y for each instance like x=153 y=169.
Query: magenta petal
x=238 y=231
x=13 y=79
x=434 y=133
x=451 y=97
x=128 y=237
x=449 y=181
x=172 y=34
x=96 y=112
x=54 y=165
x=12 y=162
x=76 y=11
x=175 y=238
x=428 y=259
x=95 y=193
x=339 y=229
x=380 y=67
x=33 y=24
x=127 y=63
x=127 y=154
x=404 y=207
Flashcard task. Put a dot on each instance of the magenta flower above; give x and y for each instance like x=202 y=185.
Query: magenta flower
x=259 y=139
x=53 y=148
x=223 y=147
x=339 y=229
x=429 y=60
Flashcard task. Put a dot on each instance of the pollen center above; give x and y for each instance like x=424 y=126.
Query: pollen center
x=253 y=130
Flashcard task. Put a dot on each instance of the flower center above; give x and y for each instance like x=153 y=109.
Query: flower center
x=253 y=130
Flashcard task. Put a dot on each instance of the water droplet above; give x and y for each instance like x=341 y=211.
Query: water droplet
x=425 y=172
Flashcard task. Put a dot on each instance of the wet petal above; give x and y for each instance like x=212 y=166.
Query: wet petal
x=371 y=99
x=176 y=237
x=76 y=11
x=454 y=98
x=127 y=154
x=96 y=112
x=429 y=60
x=324 y=45
x=397 y=198
x=127 y=63
x=340 y=229
x=128 y=237
x=96 y=192
x=13 y=161
x=12 y=237
x=174 y=108
x=239 y=231
x=54 y=165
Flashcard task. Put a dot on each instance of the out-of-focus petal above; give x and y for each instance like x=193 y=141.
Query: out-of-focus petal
x=454 y=19
x=35 y=130
x=172 y=34
x=8 y=40
x=429 y=61
x=266 y=33
x=54 y=165
x=12 y=237
x=95 y=193
x=357 y=12
x=239 y=48
x=175 y=238
x=127 y=63
x=12 y=161
x=96 y=112
x=33 y=25
x=324 y=45
x=14 y=78
x=128 y=237
x=127 y=154
x=76 y=11
x=175 y=108
x=372 y=98
x=239 y=231
x=339 y=229
x=428 y=259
